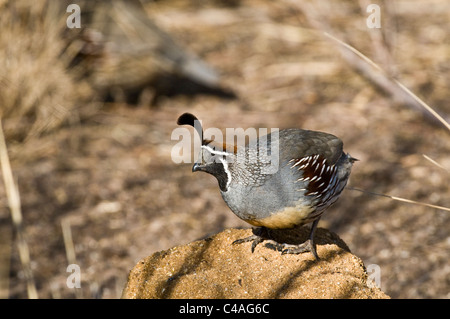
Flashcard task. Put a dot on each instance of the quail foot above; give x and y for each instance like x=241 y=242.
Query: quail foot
x=282 y=180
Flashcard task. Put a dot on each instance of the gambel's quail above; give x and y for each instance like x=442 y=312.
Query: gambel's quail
x=277 y=182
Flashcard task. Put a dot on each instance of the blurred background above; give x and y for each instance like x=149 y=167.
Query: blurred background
x=88 y=113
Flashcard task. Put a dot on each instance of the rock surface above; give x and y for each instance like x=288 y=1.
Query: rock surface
x=213 y=268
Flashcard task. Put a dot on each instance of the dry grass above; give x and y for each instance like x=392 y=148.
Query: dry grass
x=111 y=174
x=37 y=94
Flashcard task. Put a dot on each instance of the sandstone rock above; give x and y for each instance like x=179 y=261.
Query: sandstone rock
x=213 y=268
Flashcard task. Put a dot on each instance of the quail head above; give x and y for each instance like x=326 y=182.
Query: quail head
x=282 y=180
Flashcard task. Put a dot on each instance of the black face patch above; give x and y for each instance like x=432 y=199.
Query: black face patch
x=218 y=170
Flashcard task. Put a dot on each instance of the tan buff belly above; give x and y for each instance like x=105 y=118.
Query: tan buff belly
x=287 y=218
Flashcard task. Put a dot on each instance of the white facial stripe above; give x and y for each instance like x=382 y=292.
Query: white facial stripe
x=212 y=151
x=225 y=168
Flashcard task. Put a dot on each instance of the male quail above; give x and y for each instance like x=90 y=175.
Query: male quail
x=311 y=172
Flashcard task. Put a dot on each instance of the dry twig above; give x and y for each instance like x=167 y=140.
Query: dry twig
x=12 y=193
x=405 y=200
x=368 y=69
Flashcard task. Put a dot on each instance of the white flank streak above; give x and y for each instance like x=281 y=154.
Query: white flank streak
x=317 y=167
x=321 y=171
x=298 y=163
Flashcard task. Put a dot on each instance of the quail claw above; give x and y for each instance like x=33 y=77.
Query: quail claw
x=254 y=238
x=261 y=234
x=257 y=238
x=307 y=246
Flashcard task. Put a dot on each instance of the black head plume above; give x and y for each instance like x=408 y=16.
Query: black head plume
x=192 y=120
x=187 y=119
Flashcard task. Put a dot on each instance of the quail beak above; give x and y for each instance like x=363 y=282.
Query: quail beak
x=196 y=167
